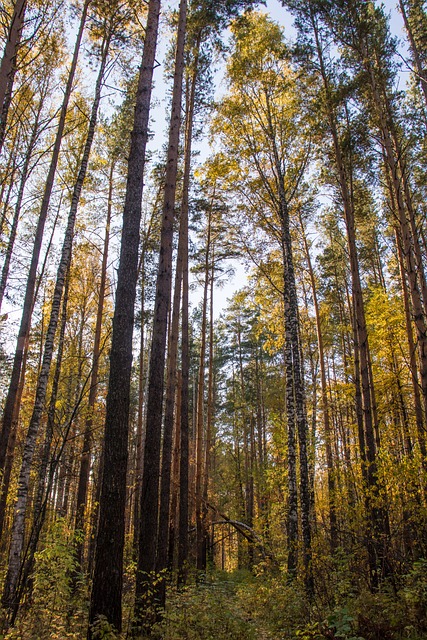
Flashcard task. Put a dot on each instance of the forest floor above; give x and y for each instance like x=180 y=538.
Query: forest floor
x=241 y=606
x=219 y=608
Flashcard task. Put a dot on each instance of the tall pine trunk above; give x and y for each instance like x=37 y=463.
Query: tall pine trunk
x=83 y=481
x=106 y=597
x=150 y=478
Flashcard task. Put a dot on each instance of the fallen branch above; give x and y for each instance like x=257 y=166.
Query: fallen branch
x=247 y=532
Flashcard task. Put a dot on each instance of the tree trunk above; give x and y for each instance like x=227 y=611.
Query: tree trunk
x=142 y=381
x=108 y=562
x=183 y=507
x=165 y=484
x=25 y=325
x=200 y=533
x=325 y=403
x=175 y=475
x=39 y=508
x=15 y=418
x=210 y=404
x=83 y=481
x=18 y=204
x=8 y=62
x=18 y=527
x=377 y=524
x=165 y=513
x=150 y=478
x=412 y=350
x=420 y=71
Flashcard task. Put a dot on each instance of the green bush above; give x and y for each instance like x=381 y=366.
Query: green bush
x=415 y=594
x=207 y=612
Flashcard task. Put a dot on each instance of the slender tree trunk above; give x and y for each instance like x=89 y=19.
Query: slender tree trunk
x=140 y=420
x=183 y=403
x=412 y=349
x=291 y=318
x=39 y=508
x=377 y=525
x=295 y=398
x=200 y=533
x=420 y=71
x=18 y=204
x=108 y=562
x=142 y=381
x=165 y=490
x=325 y=403
x=83 y=481
x=171 y=382
x=210 y=404
x=25 y=325
x=183 y=507
x=8 y=182
x=394 y=156
x=175 y=475
x=150 y=478
x=8 y=62
x=13 y=433
x=18 y=527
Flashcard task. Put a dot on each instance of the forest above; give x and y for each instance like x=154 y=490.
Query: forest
x=178 y=461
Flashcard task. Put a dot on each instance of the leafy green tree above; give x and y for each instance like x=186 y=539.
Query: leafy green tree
x=258 y=122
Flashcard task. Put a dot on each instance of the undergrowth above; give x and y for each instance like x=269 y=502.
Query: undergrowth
x=232 y=606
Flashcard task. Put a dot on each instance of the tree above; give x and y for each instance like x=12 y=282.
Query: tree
x=108 y=566
x=8 y=62
x=24 y=329
x=112 y=22
x=150 y=479
x=261 y=114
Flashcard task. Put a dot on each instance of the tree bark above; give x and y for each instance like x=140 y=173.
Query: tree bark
x=84 y=471
x=108 y=562
x=150 y=478
x=18 y=527
x=25 y=325
x=8 y=61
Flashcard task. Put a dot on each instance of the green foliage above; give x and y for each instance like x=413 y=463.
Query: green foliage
x=103 y=630
x=279 y=607
x=339 y=625
x=211 y=611
x=55 y=612
x=381 y=616
x=415 y=593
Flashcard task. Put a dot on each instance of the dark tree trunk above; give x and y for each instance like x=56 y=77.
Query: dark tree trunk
x=150 y=478
x=106 y=598
x=8 y=63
